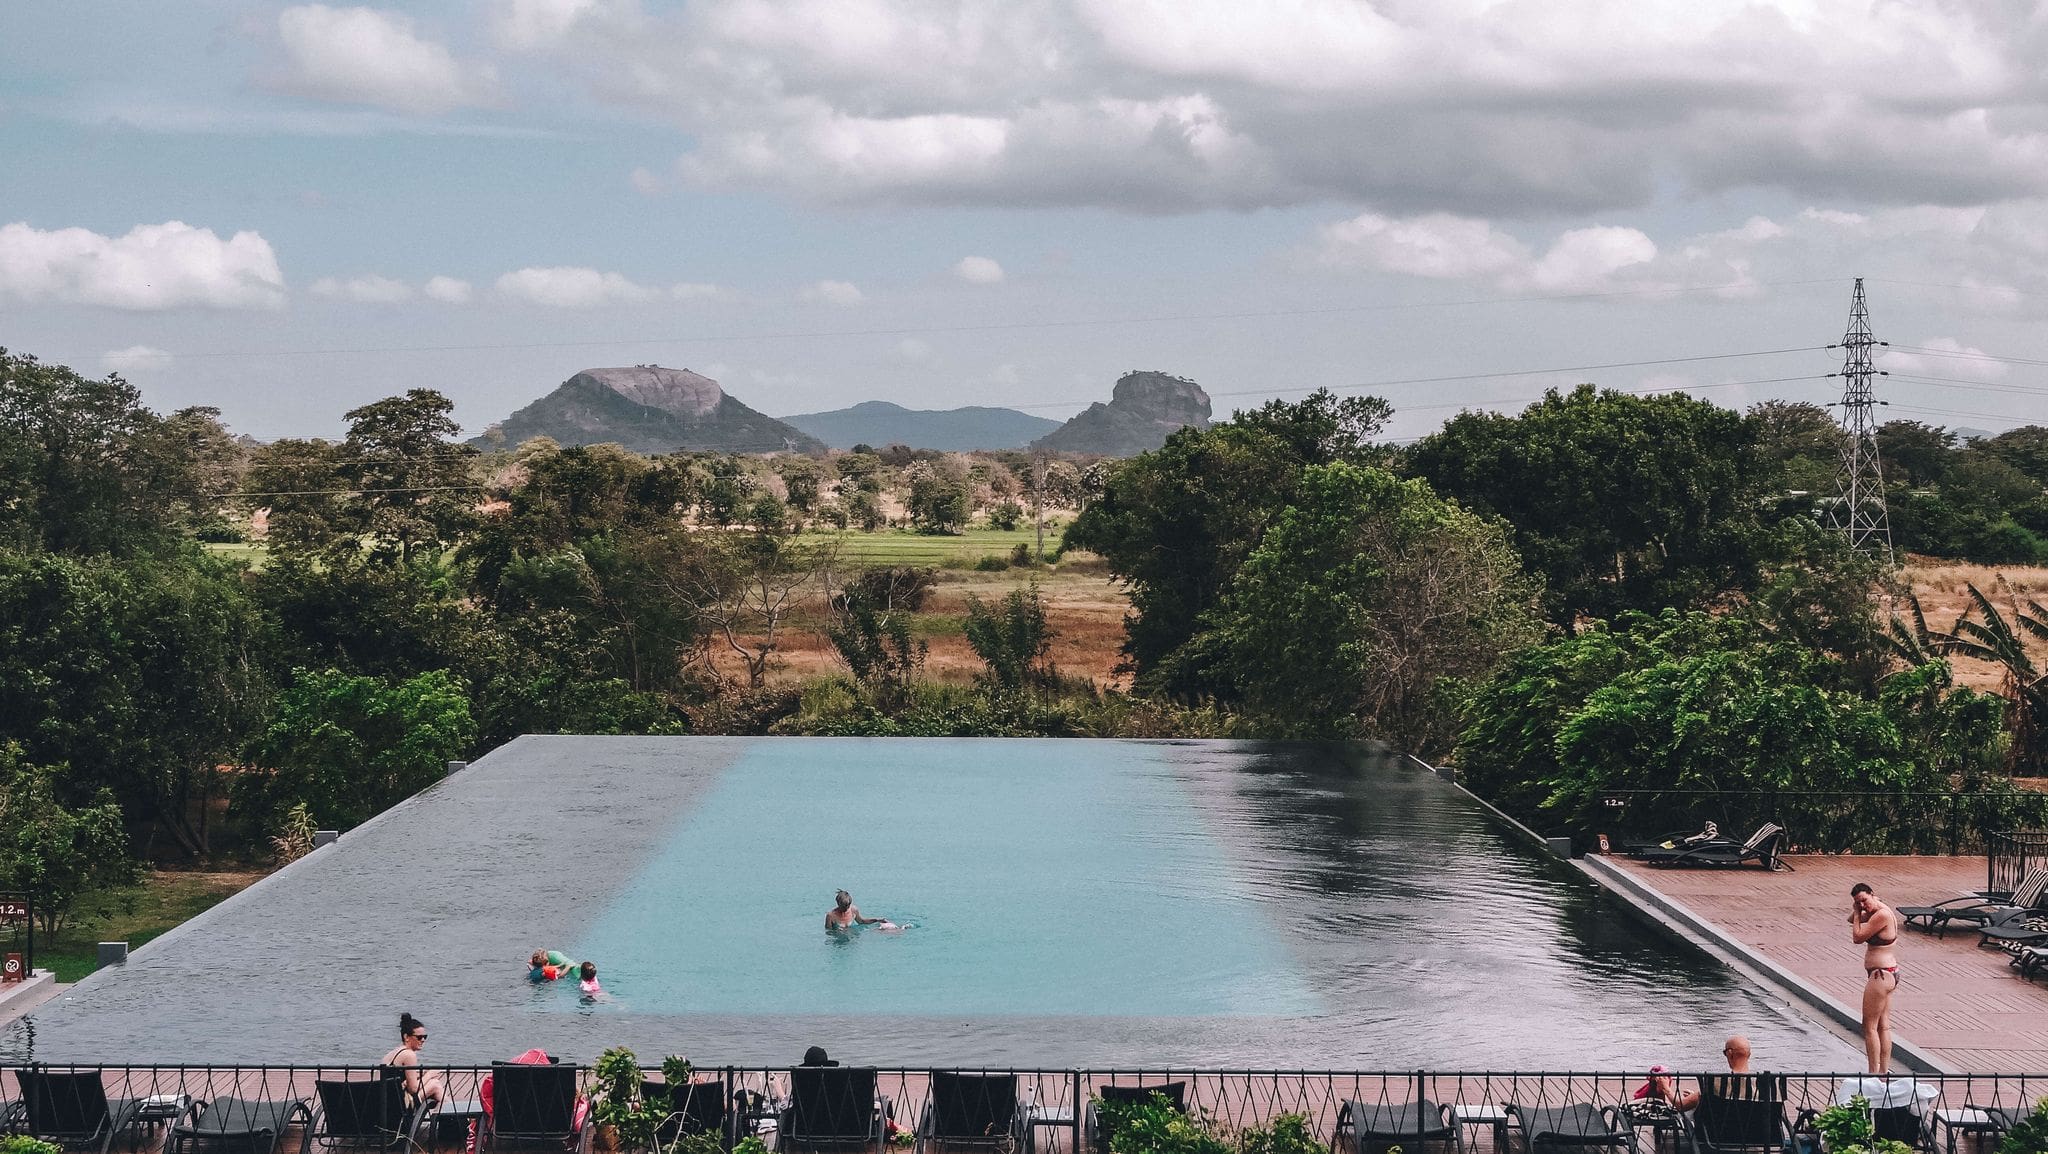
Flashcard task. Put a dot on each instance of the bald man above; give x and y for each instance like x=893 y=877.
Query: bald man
x=1735 y=1050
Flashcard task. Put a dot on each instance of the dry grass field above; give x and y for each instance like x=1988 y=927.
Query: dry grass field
x=1944 y=593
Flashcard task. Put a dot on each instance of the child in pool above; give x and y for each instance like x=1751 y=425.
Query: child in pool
x=589 y=984
x=547 y=965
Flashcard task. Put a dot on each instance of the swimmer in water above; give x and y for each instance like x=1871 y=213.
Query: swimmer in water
x=588 y=984
x=845 y=915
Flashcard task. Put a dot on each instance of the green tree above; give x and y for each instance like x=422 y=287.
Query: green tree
x=938 y=500
x=1012 y=638
x=1364 y=603
x=1617 y=501
x=801 y=479
x=1914 y=454
x=413 y=484
x=1174 y=524
x=724 y=490
x=300 y=483
x=142 y=673
x=58 y=854
x=872 y=636
x=350 y=746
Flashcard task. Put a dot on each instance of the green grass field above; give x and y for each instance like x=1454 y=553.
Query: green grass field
x=134 y=914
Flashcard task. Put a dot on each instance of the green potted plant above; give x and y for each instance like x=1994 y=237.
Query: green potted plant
x=1847 y=1129
x=23 y=1144
x=2029 y=1135
x=624 y=1122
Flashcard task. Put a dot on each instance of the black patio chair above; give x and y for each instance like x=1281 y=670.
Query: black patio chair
x=237 y=1124
x=1095 y=1135
x=974 y=1111
x=833 y=1107
x=1363 y=1125
x=1979 y=910
x=365 y=1114
x=1579 y=1125
x=1762 y=848
x=692 y=1108
x=533 y=1105
x=1739 y=1112
x=71 y=1108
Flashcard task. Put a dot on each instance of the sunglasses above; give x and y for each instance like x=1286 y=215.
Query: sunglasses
x=419 y=1036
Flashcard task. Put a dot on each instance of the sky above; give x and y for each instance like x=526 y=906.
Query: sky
x=287 y=210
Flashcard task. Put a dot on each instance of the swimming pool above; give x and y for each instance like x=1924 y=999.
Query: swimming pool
x=1072 y=903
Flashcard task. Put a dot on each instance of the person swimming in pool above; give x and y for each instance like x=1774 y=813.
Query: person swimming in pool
x=844 y=915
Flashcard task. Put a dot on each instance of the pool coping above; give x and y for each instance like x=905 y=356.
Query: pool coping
x=1674 y=916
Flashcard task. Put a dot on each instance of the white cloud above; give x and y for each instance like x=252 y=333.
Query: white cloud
x=690 y=291
x=1005 y=374
x=1942 y=357
x=369 y=56
x=833 y=292
x=1587 y=259
x=978 y=270
x=371 y=289
x=646 y=183
x=449 y=290
x=1436 y=245
x=572 y=288
x=524 y=25
x=152 y=266
x=135 y=359
x=1480 y=108
x=913 y=350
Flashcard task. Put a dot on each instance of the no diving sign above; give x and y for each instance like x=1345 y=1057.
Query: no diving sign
x=13 y=968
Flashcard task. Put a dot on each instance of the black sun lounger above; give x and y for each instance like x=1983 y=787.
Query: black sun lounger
x=833 y=1107
x=1364 y=1125
x=364 y=1114
x=71 y=1109
x=1977 y=910
x=1581 y=1125
x=1739 y=1112
x=1762 y=848
x=533 y=1105
x=976 y=1111
x=237 y=1122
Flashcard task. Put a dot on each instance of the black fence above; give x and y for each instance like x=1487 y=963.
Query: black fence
x=1820 y=822
x=564 y=1107
x=2012 y=854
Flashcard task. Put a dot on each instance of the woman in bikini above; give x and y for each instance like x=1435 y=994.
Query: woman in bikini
x=1875 y=926
x=412 y=1034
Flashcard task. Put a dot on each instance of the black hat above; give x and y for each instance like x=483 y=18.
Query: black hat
x=815 y=1056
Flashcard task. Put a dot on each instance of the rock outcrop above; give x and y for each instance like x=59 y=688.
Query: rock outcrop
x=1143 y=411
x=880 y=423
x=648 y=409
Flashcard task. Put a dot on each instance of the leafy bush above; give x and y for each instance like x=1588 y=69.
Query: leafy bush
x=1005 y=515
x=616 y=1102
x=23 y=1144
x=1848 y=1129
x=2030 y=1135
x=1287 y=1134
x=1153 y=1126
x=991 y=563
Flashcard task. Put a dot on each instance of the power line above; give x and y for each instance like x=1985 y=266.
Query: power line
x=999 y=326
x=1960 y=355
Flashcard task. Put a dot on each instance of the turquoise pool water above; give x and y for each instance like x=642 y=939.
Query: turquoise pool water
x=1038 y=889
x=1076 y=903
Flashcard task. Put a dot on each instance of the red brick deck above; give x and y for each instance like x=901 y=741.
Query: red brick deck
x=1960 y=1003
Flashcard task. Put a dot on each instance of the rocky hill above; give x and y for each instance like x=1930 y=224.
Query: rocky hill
x=880 y=423
x=648 y=409
x=1145 y=408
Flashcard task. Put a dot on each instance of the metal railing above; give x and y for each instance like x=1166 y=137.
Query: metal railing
x=2009 y=855
x=291 y=1109
x=1820 y=821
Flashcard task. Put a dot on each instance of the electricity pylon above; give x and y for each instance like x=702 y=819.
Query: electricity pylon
x=1859 y=510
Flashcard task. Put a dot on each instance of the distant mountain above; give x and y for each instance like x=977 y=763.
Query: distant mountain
x=960 y=430
x=649 y=409
x=1142 y=412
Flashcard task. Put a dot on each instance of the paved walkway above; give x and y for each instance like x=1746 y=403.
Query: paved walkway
x=1960 y=1003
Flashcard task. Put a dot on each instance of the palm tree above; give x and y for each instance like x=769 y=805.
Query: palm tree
x=2000 y=641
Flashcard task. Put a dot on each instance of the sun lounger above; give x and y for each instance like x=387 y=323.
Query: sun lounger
x=1095 y=1135
x=1580 y=1125
x=365 y=1114
x=1762 y=848
x=533 y=1104
x=1677 y=843
x=71 y=1108
x=1739 y=1112
x=1977 y=910
x=2029 y=930
x=1361 y=1125
x=237 y=1122
x=691 y=1108
x=975 y=1111
x=833 y=1106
